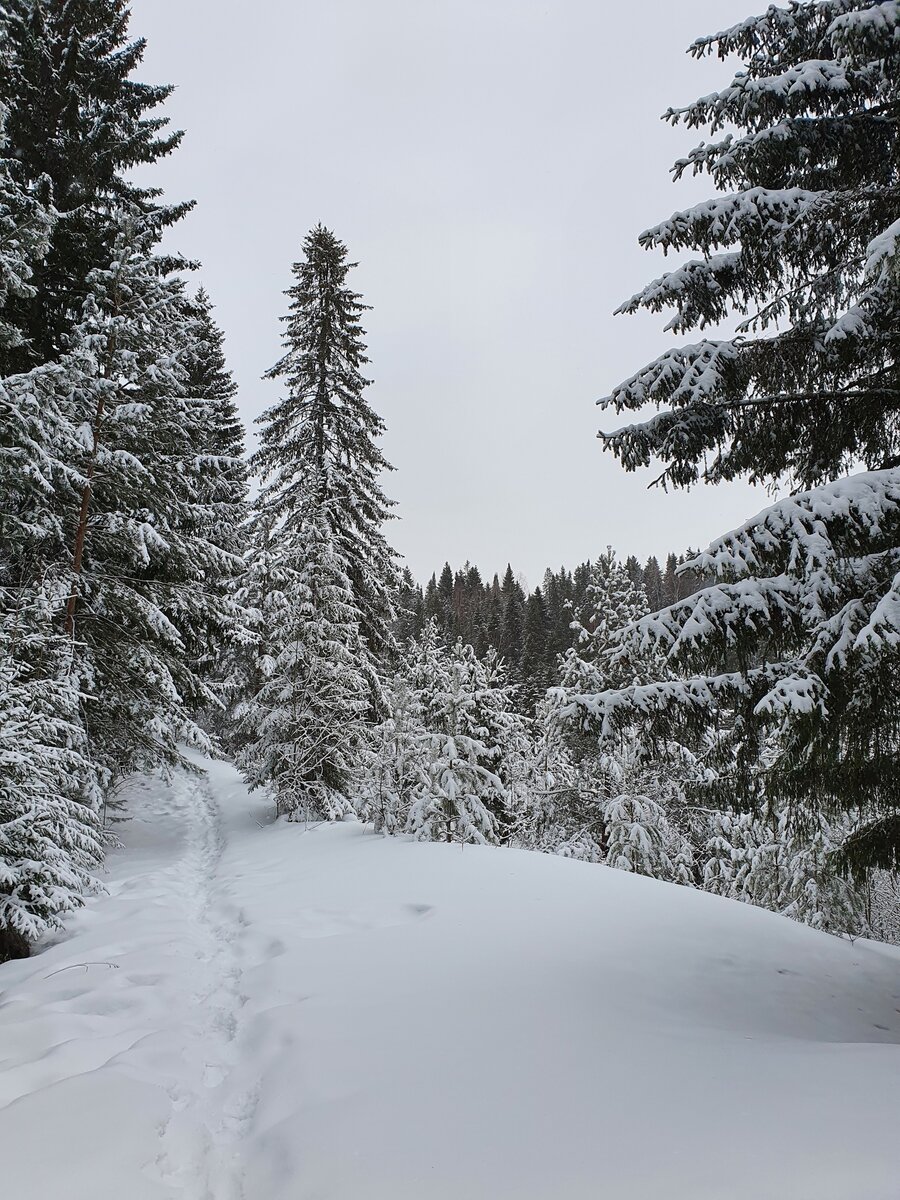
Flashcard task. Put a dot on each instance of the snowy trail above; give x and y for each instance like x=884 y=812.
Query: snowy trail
x=170 y=1018
x=200 y=1144
x=257 y=1011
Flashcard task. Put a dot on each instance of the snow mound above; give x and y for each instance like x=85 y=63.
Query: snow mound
x=269 y=1012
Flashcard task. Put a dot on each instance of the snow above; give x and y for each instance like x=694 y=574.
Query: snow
x=261 y=1011
x=727 y=220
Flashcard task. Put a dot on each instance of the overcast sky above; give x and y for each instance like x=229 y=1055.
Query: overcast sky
x=490 y=164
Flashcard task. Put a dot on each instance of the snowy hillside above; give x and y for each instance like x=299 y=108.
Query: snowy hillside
x=261 y=1012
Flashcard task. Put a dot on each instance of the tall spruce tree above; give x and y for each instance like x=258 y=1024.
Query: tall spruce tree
x=119 y=486
x=512 y=633
x=78 y=119
x=143 y=573
x=319 y=443
x=219 y=475
x=30 y=431
x=319 y=465
x=794 y=651
x=537 y=659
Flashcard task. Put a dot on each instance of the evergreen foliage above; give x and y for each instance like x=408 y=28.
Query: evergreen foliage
x=319 y=443
x=220 y=474
x=321 y=579
x=79 y=121
x=49 y=788
x=116 y=557
x=138 y=522
x=793 y=654
x=465 y=798
x=304 y=724
x=450 y=760
x=531 y=634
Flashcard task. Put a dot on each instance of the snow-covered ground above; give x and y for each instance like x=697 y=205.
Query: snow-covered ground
x=258 y=1012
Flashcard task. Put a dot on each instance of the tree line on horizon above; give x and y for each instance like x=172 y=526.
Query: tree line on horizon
x=529 y=629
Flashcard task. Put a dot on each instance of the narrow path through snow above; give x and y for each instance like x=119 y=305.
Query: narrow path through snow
x=200 y=1152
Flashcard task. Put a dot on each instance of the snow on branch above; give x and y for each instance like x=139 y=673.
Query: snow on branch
x=725 y=220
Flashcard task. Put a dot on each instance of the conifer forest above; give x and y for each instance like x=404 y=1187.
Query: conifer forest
x=231 y=714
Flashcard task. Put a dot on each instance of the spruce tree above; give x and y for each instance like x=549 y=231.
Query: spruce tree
x=137 y=553
x=795 y=649
x=78 y=119
x=319 y=443
x=445 y=602
x=537 y=661
x=303 y=726
x=512 y=633
x=621 y=793
x=32 y=432
x=431 y=608
x=635 y=836
x=212 y=390
x=612 y=602
x=112 y=571
x=395 y=766
x=50 y=789
x=653 y=583
x=219 y=475
x=410 y=608
x=319 y=464
x=635 y=572
x=465 y=798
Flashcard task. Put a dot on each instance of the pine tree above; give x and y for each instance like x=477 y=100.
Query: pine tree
x=795 y=650
x=319 y=443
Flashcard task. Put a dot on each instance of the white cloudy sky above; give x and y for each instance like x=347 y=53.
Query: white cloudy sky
x=490 y=164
